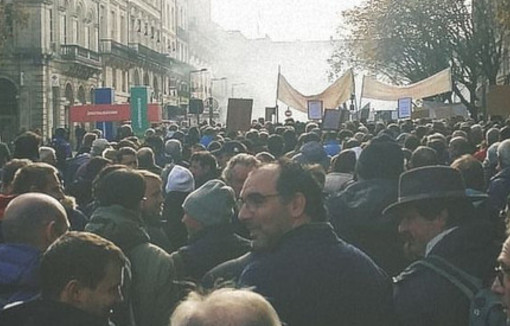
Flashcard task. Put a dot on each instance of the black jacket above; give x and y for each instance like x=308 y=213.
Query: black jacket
x=356 y=215
x=48 y=313
x=314 y=278
x=424 y=298
x=206 y=249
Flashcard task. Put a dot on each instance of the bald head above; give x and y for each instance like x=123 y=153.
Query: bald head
x=35 y=219
x=225 y=307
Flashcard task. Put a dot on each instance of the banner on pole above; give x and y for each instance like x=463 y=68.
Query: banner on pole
x=332 y=97
x=437 y=84
x=138 y=104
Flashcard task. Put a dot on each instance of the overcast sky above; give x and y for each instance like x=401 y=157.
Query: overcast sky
x=282 y=20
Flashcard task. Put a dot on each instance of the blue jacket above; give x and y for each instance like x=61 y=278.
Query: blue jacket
x=499 y=189
x=314 y=278
x=19 y=269
x=332 y=148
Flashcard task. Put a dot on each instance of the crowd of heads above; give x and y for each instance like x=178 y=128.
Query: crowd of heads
x=272 y=178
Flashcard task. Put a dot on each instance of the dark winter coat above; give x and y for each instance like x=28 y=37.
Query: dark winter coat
x=314 y=278
x=356 y=215
x=172 y=215
x=424 y=298
x=207 y=249
x=153 y=291
x=499 y=189
x=48 y=313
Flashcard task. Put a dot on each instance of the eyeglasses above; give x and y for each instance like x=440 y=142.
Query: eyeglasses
x=501 y=272
x=254 y=201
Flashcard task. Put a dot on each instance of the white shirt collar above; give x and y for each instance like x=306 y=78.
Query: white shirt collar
x=432 y=243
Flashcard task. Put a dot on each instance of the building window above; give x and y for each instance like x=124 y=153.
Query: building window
x=63 y=29
x=113 y=24
x=122 y=29
x=114 y=78
x=52 y=30
x=76 y=31
x=86 y=35
x=124 y=81
x=172 y=20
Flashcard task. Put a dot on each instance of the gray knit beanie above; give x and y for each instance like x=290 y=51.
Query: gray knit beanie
x=211 y=204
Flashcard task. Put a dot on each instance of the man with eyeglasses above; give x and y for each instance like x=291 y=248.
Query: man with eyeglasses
x=501 y=284
x=308 y=274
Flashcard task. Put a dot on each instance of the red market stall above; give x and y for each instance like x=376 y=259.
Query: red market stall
x=111 y=112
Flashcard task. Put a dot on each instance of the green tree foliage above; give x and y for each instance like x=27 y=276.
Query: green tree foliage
x=409 y=40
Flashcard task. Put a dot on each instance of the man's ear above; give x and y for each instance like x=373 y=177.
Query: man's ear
x=52 y=232
x=297 y=205
x=71 y=293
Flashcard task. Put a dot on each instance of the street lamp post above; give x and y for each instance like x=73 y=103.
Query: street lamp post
x=190 y=90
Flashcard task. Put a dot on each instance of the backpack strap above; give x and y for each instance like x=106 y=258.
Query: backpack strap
x=467 y=284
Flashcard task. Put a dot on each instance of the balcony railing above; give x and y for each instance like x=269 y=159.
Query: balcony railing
x=80 y=54
x=152 y=55
x=116 y=48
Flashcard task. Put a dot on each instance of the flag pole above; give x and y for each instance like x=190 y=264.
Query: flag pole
x=361 y=91
x=277 y=95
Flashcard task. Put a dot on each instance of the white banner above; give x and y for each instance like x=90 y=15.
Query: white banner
x=437 y=84
x=332 y=97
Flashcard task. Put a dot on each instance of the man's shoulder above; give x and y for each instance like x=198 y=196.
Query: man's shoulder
x=309 y=246
x=229 y=271
x=43 y=312
x=149 y=253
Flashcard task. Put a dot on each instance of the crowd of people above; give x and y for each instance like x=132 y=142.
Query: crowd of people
x=397 y=223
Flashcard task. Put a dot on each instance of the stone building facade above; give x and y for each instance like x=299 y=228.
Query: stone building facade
x=68 y=48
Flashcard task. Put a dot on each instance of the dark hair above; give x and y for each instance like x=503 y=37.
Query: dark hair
x=423 y=156
x=344 y=162
x=80 y=256
x=27 y=145
x=459 y=210
x=411 y=142
x=32 y=175
x=88 y=139
x=81 y=188
x=380 y=159
x=5 y=154
x=156 y=143
x=276 y=145
x=10 y=169
x=290 y=139
x=124 y=151
x=295 y=178
x=329 y=135
x=118 y=185
x=471 y=170
x=145 y=157
x=127 y=143
x=205 y=159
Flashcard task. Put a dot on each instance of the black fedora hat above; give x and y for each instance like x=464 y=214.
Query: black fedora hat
x=430 y=182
